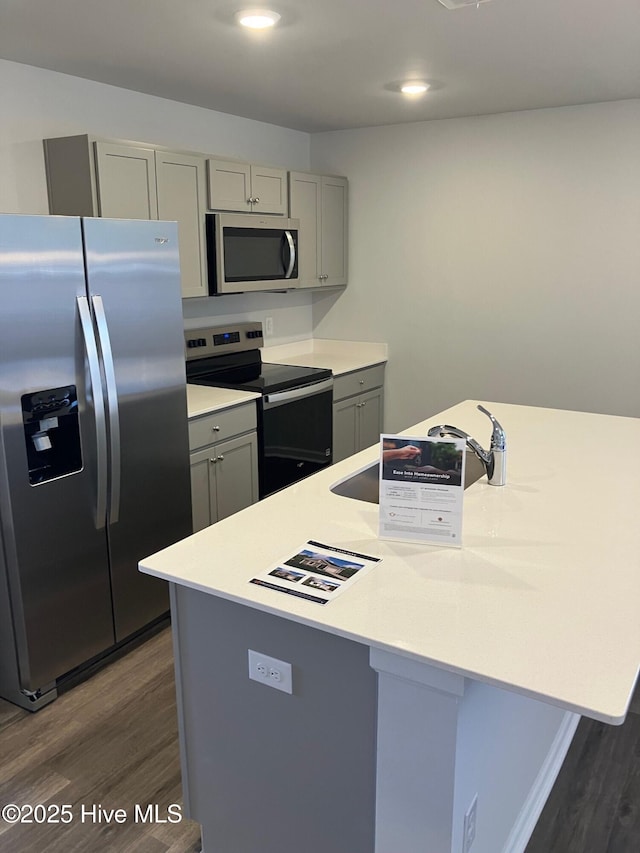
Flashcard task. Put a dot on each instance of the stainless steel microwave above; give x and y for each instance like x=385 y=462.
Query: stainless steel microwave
x=249 y=252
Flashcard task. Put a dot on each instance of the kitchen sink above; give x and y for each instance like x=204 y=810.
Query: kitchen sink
x=363 y=486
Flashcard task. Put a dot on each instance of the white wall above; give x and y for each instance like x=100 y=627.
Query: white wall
x=498 y=256
x=35 y=104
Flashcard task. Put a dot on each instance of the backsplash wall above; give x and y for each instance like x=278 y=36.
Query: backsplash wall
x=290 y=312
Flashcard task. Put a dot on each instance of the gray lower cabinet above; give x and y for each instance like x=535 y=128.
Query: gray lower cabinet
x=358 y=410
x=95 y=177
x=320 y=203
x=224 y=464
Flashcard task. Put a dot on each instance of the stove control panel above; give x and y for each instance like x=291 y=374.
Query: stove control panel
x=216 y=340
x=224 y=338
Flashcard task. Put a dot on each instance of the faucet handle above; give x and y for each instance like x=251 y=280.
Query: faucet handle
x=498 y=437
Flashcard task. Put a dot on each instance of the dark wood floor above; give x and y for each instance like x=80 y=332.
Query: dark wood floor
x=594 y=806
x=113 y=741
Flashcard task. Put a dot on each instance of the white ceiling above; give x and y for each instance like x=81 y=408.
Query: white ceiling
x=329 y=63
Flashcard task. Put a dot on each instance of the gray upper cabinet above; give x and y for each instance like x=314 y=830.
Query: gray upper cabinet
x=93 y=177
x=246 y=188
x=126 y=181
x=88 y=176
x=181 y=189
x=321 y=204
x=334 y=230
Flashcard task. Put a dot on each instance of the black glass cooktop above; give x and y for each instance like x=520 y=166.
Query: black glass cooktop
x=251 y=375
x=277 y=377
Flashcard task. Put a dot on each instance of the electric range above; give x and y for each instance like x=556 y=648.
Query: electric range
x=295 y=408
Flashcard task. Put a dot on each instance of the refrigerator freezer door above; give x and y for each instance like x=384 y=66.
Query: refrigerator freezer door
x=54 y=560
x=133 y=276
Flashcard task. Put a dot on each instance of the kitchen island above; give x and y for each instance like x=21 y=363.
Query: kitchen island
x=441 y=674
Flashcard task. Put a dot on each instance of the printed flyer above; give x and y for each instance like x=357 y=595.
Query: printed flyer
x=316 y=572
x=421 y=489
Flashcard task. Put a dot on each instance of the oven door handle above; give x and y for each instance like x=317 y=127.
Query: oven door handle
x=280 y=397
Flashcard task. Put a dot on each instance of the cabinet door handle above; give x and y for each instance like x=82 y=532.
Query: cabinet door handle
x=213 y=459
x=215 y=429
x=256 y=200
x=362 y=381
x=219 y=458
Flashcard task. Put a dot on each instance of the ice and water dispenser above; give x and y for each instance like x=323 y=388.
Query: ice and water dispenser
x=52 y=433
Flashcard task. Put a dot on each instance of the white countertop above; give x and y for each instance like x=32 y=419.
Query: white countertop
x=338 y=356
x=543 y=598
x=201 y=399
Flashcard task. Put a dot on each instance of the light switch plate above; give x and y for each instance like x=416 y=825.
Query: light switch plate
x=270 y=671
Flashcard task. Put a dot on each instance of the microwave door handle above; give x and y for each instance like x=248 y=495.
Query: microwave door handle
x=292 y=253
x=93 y=364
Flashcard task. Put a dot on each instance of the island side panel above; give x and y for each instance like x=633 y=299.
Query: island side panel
x=510 y=749
x=265 y=770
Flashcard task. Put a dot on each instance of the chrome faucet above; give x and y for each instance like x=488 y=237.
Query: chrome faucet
x=494 y=459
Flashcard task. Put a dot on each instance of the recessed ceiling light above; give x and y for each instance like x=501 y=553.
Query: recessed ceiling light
x=414 y=88
x=257 y=19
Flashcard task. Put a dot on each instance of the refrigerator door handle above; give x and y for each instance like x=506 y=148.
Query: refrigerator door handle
x=93 y=363
x=112 y=404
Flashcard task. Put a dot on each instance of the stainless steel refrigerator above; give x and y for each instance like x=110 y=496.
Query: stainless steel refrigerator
x=94 y=470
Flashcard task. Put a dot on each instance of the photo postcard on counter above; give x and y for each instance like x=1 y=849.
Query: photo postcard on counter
x=421 y=489
x=316 y=572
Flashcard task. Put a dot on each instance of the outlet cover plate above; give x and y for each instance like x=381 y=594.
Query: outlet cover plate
x=470 y=819
x=270 y=671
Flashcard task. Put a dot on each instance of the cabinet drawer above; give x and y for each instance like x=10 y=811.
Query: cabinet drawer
x=360 y=380
x=221 y=425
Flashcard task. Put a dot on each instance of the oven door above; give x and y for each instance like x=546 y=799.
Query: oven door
x=297 y=435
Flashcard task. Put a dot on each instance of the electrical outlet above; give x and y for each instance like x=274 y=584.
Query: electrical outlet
x=270 y=671
x=268 y=326
x=470 y=825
